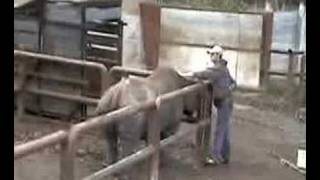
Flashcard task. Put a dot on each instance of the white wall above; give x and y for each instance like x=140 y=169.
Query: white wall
x=204 y=28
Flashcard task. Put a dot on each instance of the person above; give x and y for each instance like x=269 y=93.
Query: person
x=222 y=85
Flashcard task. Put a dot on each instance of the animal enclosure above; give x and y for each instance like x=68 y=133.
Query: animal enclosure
x=68 y=139
x=87 y=31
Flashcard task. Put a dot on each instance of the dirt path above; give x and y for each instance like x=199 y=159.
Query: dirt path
x=254 y=134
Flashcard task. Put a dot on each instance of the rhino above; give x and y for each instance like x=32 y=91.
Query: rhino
x=124 y=137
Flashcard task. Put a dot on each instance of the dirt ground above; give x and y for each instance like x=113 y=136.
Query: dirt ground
x=255 y=132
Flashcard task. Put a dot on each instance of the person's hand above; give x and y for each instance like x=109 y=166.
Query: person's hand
x=188 y=74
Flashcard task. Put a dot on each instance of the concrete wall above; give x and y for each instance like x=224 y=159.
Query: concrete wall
x=204 y=28
x=196 y=27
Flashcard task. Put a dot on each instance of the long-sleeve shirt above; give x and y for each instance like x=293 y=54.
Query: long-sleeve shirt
x=220 y=79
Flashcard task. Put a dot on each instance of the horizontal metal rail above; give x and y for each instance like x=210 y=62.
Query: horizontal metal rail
x=289 y=51
x=184 y=7
x=251 y=50
x=103 y=119
x=68 y=166
x=58 y=78
x=139 y=156
x=68 y=139
x=56 y=95
x=99 y=121
x=131 y=71
x=39 y=144
x=102 y=60
x=60 y=59
x=283 y=73
x=75 y=98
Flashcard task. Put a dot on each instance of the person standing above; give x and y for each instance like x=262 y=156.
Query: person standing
x=223 y=85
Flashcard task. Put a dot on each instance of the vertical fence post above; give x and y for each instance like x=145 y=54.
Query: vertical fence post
x=208 y=119
x=302 y=69
x=302 y=76
x=42 y=21
x=154 y=140
x=290 y=75
x=150 y=14
x=203 y=131
x=20 y=105
x=265 y=58
x=66 y=161
x=21 y=90
x=83 y=46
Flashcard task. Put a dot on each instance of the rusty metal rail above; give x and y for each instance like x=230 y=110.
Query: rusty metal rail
x=74 y=98
x=289 y=51
x=62 y=60
x=36 y=145
x=57 y=59
x=69 y=139
x=139 y=156
x=129 y=71
x=68 y=153
x=58 y=78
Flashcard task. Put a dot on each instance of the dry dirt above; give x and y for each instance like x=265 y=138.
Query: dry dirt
x=254 y=134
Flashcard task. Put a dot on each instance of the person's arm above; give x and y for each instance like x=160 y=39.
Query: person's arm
x=202 y=74
x=211 y=74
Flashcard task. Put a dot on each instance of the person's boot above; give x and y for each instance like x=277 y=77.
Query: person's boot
x=212 y=161
x=225 y=161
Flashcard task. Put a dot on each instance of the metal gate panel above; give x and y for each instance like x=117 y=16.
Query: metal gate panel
x=26 y=30
x=62 y=40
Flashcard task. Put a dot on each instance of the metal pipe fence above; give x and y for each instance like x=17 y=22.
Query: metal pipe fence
x=30 y=57
x=68 y=139
x=291 y=65
x=68 y=152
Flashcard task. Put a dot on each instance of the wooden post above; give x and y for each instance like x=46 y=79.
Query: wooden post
x=302 y=70
x=266 y=42
x=290 y=75
x=154 y=140
x=21 y=85
x=83 y=41
x=150 y=22
x=42 y=21
x=20 y=105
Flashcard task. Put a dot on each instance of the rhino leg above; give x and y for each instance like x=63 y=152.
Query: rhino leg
x=128 y=145
x=112 y=141
x=129 y=132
